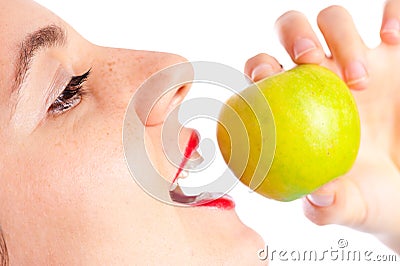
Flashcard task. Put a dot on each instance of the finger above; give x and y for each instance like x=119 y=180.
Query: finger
x=298 y=38
x=356 y=199
x=335 y=203
x=390 y=30
x=345 y=44
x=262 y=66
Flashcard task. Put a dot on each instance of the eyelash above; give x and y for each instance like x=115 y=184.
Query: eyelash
x=71 y=95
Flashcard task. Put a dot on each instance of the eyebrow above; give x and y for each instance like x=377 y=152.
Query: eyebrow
x=46 y=37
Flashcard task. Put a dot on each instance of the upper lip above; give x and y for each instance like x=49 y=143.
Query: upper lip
x=191 y=158
x=189 y=162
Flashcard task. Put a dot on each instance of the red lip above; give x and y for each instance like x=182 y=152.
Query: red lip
x=190 y=148
x=225 y=202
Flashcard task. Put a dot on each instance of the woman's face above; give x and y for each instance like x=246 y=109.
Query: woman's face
x=66 y=195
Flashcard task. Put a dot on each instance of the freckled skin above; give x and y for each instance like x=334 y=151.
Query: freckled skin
x=66 y=194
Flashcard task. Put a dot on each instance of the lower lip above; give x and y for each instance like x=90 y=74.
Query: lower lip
x=223 y=203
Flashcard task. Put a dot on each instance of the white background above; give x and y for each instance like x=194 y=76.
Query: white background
x=228 y=32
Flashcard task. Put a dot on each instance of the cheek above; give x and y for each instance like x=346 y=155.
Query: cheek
x=80 y=158
x=64 y=178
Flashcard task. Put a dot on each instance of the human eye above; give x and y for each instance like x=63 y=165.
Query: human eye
x=70 y=97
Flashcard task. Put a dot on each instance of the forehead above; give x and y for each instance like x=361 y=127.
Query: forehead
x=18 y=18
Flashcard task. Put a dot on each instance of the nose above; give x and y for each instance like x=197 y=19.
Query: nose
x=156 y=80
x=162 y=92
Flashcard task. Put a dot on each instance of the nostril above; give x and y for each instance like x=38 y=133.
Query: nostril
x=164 y=105
x=179 y=95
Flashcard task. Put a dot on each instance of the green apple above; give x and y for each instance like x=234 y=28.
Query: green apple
x=289 y=134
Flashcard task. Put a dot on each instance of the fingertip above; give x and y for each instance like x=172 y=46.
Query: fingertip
x=317 y=205
x=314 y=213
x=261 y=71
x=299 y=39
x=262 y=66
x=306 y=51
x=321 y=200
x=346 y=45
x=390 y=31
x=338 y=202
x=329 y=10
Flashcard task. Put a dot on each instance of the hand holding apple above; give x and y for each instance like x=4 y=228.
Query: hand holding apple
x=366 y=197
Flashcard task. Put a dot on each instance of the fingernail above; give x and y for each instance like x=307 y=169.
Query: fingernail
x=303 y=46
x=392 y=26
x=261 y=71
x=321 y=200
x=355 y=73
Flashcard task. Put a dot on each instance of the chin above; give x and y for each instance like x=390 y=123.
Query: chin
x=221 y=230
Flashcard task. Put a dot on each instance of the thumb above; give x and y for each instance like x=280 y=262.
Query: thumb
x=338 y=202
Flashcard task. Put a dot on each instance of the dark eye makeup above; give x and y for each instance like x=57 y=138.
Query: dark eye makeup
x=71 y=96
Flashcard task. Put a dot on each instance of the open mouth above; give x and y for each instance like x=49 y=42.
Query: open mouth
x=217 y=200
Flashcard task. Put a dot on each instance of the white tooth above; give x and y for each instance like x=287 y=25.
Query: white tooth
x=194 y=162
x=183 y=174
x=173 y=186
